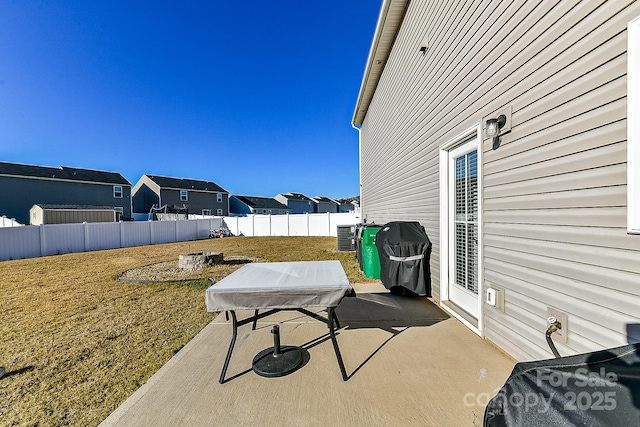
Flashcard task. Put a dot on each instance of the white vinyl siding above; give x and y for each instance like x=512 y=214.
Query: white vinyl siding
x=566 y=158
x=554 y=193
x=633 y=127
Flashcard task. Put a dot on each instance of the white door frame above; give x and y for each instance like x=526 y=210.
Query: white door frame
x=475 y=131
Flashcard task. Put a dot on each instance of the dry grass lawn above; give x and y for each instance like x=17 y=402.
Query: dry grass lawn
x=76 y=342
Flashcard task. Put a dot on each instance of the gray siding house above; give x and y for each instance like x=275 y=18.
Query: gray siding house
x=349 y=204
x=325 y=204
x=546 y=215
x=243 y=205
x=201 y=197
x=22 y=186
x=298 y=203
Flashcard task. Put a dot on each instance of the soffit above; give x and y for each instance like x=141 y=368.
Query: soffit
x=389 y=21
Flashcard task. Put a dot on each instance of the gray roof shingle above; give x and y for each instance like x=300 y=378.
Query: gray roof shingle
x=261 y=202
x=323 y=199
x=296 y=196
x=62 y=173
x=186 y=184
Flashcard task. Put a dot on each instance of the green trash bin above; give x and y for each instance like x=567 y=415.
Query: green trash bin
x=370 y=259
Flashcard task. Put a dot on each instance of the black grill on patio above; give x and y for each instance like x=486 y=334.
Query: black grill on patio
x=404 y=250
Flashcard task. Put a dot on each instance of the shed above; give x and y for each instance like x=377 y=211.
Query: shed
x=68 y=214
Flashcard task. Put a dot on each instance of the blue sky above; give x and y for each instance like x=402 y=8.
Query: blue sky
x=256 y=96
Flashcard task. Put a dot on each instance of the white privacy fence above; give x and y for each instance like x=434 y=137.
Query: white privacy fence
x=322 y=224
x=35 y=241
x=8 y=222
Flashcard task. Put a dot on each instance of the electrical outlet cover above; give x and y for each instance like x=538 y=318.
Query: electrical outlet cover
x=491 y=297
x=498 y=297
x=561 y=335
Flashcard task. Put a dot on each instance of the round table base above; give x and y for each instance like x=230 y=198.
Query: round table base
x=269 y=364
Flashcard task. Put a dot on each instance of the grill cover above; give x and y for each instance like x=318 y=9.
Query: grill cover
x=592 y=389
x=404 y=250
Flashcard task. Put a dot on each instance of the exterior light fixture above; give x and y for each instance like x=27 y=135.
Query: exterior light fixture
x=492 y=129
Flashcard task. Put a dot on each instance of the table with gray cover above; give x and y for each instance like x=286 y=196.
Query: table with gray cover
x=276 y=286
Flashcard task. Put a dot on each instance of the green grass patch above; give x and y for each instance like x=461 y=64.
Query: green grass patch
x=76 y=342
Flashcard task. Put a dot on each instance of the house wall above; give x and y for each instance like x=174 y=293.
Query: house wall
x=554 y=193
x=306 y=206
x=324 y=207
x=238 y=207
x=296 y=206
x=197 y=201
x=18 y=195
x=346 y=207
x=144 y=198
x=300 y=206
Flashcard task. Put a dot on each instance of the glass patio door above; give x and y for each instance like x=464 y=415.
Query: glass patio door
x=463 y=227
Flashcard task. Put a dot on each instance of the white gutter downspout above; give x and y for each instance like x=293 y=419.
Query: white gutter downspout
x=358 y=128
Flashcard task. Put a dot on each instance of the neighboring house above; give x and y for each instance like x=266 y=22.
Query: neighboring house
x=70 y=214
x=298 y=203
x=22 y=186
x=244 y=205
x=545 y=217
x=350 y=204
x=201 y=197
x=325 y=204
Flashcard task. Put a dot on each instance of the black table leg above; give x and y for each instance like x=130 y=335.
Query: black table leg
x=231 y=345
x=255 y=320
x=336 y=318
x=332 y=316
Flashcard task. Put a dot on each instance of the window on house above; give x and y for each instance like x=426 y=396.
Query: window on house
x=219 y=196
x=117 y=191
x=206 y=211
x=219 y=212
x=183 y=196
x=633 y=126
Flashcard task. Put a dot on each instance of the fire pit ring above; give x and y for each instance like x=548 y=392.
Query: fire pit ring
x=197 y=260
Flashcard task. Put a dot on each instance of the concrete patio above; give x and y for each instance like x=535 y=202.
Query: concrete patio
x=409 y=364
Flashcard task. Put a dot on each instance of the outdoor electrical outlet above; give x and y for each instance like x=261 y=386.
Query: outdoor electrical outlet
x=561 y=335
x=498 y=297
